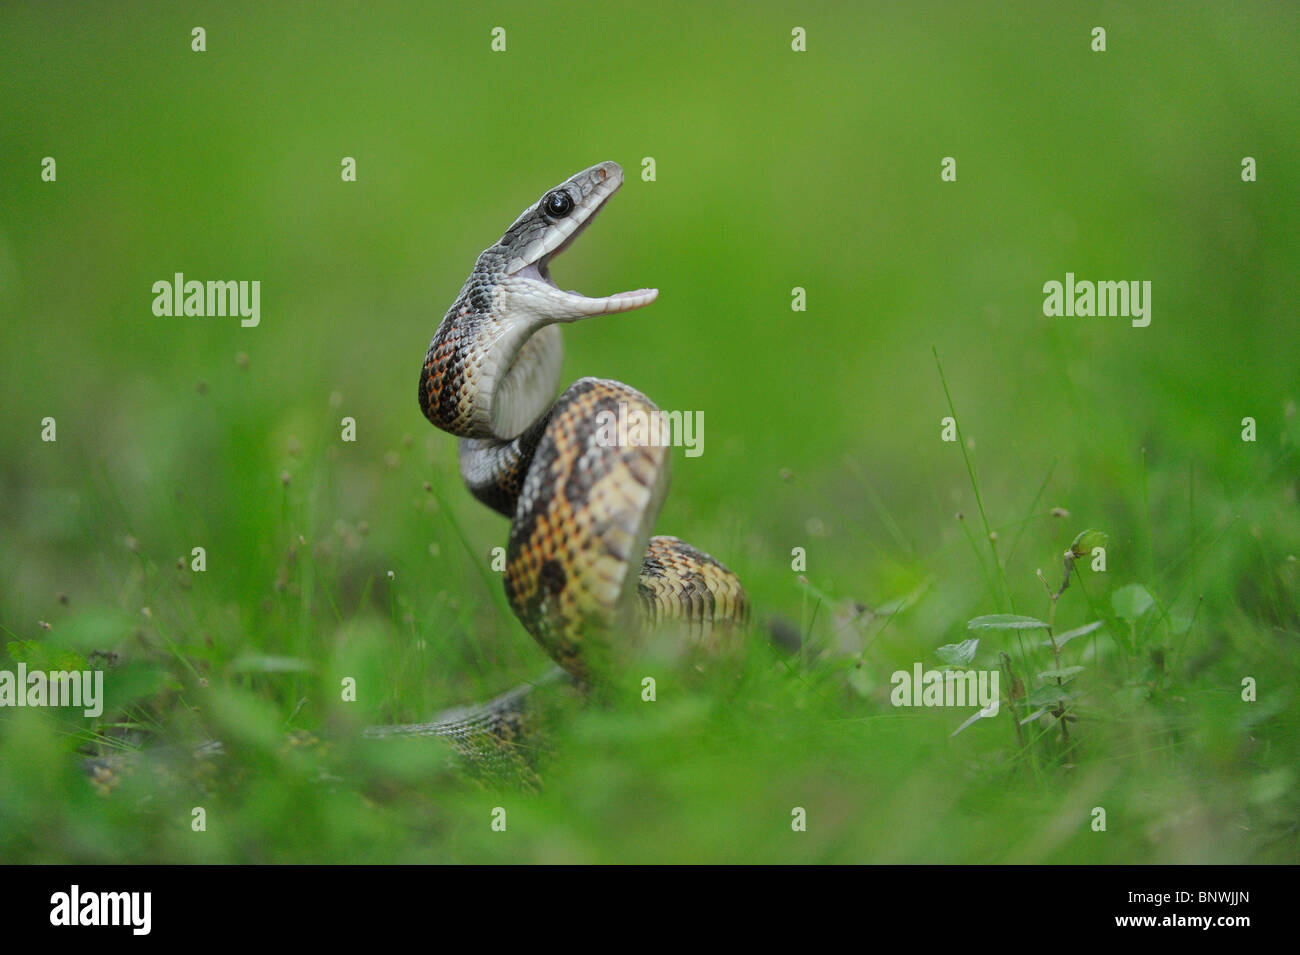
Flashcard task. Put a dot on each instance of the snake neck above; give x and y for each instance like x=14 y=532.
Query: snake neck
x=490 y=377
x=493 y=365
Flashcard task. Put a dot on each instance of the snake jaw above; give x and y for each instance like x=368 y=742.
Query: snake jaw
x=545 y=303
x=580 y=306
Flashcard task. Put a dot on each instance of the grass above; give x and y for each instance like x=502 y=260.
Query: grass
x=329 y=560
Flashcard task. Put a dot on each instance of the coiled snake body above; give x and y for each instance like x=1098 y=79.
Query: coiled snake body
x=583 y=574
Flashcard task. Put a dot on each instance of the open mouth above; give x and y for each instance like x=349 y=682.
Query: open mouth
x=541 y=267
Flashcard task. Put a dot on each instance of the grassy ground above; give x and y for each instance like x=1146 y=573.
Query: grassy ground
x=775 y=169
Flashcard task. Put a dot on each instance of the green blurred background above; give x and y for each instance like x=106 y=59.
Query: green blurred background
x=775 y=169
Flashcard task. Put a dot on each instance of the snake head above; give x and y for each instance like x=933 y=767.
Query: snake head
x=543 y=231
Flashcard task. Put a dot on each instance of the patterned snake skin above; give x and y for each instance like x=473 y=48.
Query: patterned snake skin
x=582 y=573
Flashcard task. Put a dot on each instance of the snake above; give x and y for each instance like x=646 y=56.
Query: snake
x=583 y=574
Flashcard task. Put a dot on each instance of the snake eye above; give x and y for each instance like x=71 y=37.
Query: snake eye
x=558 y=204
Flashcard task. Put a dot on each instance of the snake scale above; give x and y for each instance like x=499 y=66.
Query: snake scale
x=583 y=574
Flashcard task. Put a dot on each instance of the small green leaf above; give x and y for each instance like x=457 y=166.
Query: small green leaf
x=43 y=656
x=1087 y=540
x=22 y=651
x=992 y=710
x=1132 y=601
x=958 y=654
x=861 y=681
x=1034 y=715
x=241 y=717
x=261 y=663
x=1005 y=621
x=93 y=630
x=1065 y=673
x=1069 y=635
x=131 y=683
x=1047 y=695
